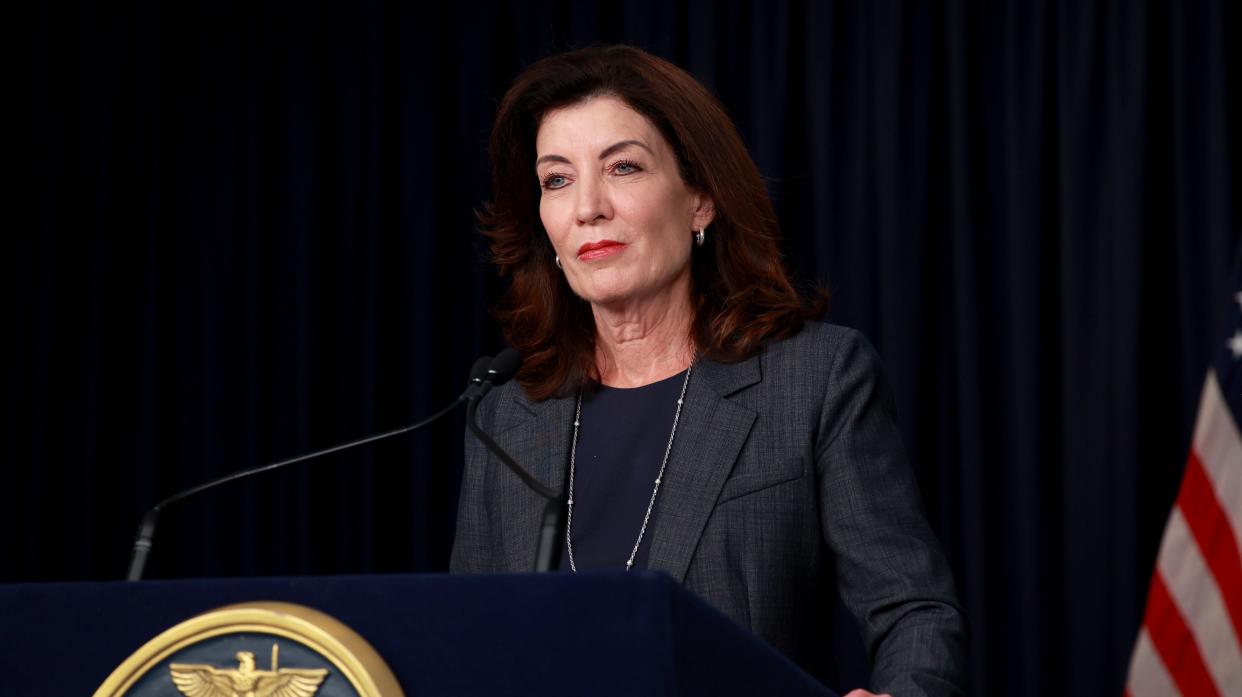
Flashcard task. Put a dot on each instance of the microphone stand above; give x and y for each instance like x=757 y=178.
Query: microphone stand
x=552 y=528
x=480 y=382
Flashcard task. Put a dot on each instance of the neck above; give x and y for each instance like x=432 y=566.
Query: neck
x=644 y=341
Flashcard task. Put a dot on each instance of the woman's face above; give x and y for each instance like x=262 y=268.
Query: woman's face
x=614 y=205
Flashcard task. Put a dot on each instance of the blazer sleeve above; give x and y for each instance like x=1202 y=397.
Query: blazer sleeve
x=891 y=572
x=472 y=545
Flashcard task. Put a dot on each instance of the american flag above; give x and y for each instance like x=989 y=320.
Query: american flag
x=1191 y=640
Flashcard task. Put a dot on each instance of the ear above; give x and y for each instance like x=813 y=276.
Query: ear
x=704 y=211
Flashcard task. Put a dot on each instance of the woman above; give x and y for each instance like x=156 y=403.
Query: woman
x=675 y=383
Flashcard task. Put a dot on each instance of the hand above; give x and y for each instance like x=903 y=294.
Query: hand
x=863 y=693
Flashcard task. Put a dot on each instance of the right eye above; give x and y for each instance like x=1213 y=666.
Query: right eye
x=554 y=181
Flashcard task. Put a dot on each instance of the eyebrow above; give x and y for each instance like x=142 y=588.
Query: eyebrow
x=607 y=151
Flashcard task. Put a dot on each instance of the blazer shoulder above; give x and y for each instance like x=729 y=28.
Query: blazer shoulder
x=820 y=344
x=502 y=406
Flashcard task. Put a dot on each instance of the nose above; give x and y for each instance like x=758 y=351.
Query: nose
x=592 y=201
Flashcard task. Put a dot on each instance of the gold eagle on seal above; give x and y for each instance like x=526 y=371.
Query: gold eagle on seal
x=203 y=680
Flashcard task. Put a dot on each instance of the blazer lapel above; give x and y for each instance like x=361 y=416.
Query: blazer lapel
x=538 y=439
x=710 y=434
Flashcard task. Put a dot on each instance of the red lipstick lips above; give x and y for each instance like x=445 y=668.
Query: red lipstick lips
x=599 y=250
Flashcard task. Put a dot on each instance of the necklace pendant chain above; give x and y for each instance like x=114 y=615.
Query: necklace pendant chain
x=573 y=450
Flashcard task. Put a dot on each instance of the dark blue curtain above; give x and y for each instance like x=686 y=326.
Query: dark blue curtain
x=245 y=230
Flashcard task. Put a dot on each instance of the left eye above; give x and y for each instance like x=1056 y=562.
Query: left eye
x=625 y=167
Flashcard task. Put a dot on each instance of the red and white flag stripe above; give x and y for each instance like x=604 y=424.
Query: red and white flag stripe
x=1191 y=640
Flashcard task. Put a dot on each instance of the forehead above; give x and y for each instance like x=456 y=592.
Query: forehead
x=594 y=124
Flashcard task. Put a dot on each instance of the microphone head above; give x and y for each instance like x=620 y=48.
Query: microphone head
x=504 y=366
x=479 y=370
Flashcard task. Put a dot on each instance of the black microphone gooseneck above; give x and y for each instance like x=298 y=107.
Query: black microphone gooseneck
x=552 y=529
x=479 y=382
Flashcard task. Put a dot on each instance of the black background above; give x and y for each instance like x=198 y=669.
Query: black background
x=244 y=230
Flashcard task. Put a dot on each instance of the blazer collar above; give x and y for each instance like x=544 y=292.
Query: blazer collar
x=710 y=434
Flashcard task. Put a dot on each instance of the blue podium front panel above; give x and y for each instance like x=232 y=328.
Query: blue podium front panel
x=549 y=634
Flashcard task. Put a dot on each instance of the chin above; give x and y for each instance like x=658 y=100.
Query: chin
x=604 y=288
x=607 y=296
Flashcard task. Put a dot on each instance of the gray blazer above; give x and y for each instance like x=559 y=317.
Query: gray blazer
x=787 y=475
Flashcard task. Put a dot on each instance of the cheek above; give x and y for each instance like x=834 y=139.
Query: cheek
x=669 y=217
x=673 y=243
x=547 y=216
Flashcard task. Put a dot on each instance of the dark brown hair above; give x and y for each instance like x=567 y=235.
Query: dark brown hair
x=740 y=291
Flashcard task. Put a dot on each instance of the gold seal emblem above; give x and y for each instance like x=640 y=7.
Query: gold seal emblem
x=189 y=655
x=203 y=680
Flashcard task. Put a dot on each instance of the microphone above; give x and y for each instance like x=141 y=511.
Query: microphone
x=492 y=372
x=478 y=371
x=552 y=529
x=480 y=382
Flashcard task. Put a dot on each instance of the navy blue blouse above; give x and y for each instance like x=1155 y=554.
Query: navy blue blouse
x=621 y=444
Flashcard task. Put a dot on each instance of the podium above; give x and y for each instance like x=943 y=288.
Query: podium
x=549 y=634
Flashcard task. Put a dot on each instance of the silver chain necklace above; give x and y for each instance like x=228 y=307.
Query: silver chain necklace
x=573 y=449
